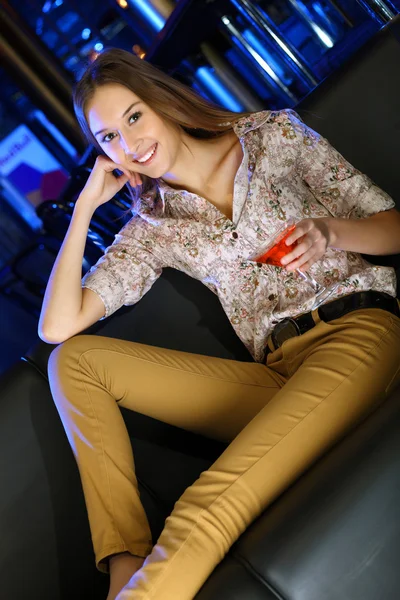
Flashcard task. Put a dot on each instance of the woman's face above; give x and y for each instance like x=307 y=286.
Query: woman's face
x=130 y=133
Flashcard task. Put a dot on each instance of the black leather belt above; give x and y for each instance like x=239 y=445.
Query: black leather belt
x=291 y=327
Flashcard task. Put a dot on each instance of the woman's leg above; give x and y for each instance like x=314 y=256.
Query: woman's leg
x=340 y=372
x=92 y=376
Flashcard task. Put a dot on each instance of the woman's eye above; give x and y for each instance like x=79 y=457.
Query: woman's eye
x=135 y=116
x=107 y=138
x=132 y=119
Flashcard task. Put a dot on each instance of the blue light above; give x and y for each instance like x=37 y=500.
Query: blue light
x=262 y=51
x=98 y=47
x=209 y=79
x=58 y=2
x=46 y=7
x=240 y=65
x=149 y=12
x=86 y=33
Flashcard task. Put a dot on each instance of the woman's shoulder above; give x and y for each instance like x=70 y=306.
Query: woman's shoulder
x=250 y=122
x=265 y=118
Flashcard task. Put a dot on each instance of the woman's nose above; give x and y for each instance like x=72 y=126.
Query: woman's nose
x=125 y=144
x=129 y=145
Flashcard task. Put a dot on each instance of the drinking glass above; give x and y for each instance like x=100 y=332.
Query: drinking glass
x=274 y=249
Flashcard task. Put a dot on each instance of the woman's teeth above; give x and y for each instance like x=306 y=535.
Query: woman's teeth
x=147 y=156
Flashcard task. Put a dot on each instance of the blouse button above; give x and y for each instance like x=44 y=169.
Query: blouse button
x=234 y=235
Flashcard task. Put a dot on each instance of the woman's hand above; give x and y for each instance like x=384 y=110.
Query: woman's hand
x=313 y=237
x=102 y=184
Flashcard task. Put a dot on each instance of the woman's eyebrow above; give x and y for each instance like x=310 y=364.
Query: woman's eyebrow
x=127 y=110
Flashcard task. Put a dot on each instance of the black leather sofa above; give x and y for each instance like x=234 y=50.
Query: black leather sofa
x=333 y=535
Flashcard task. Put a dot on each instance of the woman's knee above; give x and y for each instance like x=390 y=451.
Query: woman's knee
x=67 y=354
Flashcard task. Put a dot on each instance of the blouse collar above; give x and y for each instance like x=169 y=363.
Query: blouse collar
x=241 y=127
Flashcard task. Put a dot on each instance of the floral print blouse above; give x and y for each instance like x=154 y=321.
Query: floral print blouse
x=288 y=170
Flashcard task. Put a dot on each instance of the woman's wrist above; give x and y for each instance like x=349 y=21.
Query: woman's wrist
x=330 y=223
x=84 y=206
x=378 y=234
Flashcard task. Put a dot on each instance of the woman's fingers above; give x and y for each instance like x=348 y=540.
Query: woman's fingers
x=303 y=252
x=311 y=237
x=130 y=176
x=302 y=246
x=302 y=261
x=134 y=179
x=308 y=253
x=108 y=166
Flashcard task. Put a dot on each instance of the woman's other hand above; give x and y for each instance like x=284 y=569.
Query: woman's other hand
x=102 y=185
x=313 y=237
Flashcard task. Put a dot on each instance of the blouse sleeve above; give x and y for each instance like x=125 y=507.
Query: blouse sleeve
x=335 y=183
x=126 y=271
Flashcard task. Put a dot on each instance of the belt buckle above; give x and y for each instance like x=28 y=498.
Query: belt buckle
x=284 y=330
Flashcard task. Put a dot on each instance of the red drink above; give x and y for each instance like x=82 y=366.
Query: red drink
x=272 y=252
x=274 y=255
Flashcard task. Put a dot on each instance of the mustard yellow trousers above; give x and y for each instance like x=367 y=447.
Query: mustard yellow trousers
x=279 y=417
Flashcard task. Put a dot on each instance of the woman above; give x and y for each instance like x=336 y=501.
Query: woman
x=207 y=186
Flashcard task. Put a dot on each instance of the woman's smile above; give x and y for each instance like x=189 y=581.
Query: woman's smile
x=148 y=158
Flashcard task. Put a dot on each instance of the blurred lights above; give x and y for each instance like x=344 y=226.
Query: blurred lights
x=50 y=4
x=208 y=78
x=323 y=36
x=262 y=51
x=98 y=47
x=122 y=3
x=150 y=14
x=39 y=26
x=86 y=33
x=138 y=51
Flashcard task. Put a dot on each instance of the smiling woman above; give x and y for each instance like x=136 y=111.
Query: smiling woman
x=125 y=106
x=208 y=185
x=131 y=137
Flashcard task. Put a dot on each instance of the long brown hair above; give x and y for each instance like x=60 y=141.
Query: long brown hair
x=169 y=98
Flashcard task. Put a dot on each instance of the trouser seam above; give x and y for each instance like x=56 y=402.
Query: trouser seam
x=111 y=549
x=124 y=547
x=103 y=455
x=178 y=369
